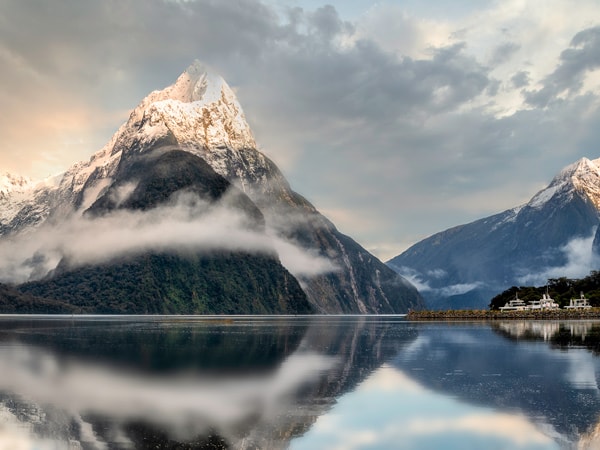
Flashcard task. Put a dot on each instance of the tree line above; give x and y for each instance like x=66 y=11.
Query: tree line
x=562 y=290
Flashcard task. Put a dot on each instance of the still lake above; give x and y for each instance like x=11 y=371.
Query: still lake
x=334 y=382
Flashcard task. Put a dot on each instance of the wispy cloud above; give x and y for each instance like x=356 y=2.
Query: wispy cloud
x=183 y=226
x=576 y=63
x=579 y=262
x=419 y=280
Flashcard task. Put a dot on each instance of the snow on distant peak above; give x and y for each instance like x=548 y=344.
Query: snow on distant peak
x=578 y=168
x=11 y=183
x=13 y=189
x=582 y=176
x=543 y=196
x=586 y=179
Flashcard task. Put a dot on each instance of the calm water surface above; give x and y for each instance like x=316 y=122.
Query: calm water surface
x=297 y=382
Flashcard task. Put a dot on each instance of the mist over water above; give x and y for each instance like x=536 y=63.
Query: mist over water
x=296 y=382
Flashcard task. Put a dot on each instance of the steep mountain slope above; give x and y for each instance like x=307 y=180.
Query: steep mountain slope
x=200 y=115
x=222 y=283
x=170 y=281
x=14 y=302
x=549 y=236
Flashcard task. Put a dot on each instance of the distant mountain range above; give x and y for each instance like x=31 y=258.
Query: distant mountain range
x=551 y=236
x=180 y=213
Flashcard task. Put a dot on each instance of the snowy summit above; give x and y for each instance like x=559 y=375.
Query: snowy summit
x=198 y=108
x=582 y=176
x=11 y=183
x=199 y=112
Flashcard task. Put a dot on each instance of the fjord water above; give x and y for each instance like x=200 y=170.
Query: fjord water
x=297 y=382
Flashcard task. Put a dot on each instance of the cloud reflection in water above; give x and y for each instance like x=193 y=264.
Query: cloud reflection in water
x=183 y=404
x=390 y=410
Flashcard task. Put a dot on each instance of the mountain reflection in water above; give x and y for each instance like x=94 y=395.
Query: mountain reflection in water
x=180 y=383
x=299 y=382
x=546 y=371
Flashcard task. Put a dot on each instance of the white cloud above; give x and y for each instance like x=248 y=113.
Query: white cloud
x=395 y=30
x=508 y=37
x=580 y=261
x=416 y=278
x=187 y=225
x=300 y=262
x=437 y=273
x=458 y=289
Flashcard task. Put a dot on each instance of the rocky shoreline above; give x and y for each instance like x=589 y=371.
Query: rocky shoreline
x=482 y=314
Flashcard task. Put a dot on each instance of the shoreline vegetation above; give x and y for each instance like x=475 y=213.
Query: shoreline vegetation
x=484 y=314
x=561 y=290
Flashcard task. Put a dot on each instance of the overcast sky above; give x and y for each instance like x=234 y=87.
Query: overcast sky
x=396 y=119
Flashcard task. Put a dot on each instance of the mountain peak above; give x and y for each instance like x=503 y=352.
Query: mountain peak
x=195 y=84
x=10 y=183
x=582 y=176
x=549 y=237
x=581 y=167
x=198 y=110
x=586 y=179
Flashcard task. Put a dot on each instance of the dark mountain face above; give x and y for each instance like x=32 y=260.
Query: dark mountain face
x=361 y=284
x=596 y=248
x=12 y=301
x=467 y=265
x=157 y=176
x=183 y=282
x=214 y=283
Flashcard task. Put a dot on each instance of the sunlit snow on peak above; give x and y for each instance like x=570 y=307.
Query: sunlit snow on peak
x=582 y=176
x=10 y=183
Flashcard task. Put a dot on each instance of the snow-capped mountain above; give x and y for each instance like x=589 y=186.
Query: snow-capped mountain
x=11 y=183
x=200 y=115
x=582 y=177
x=199 y=112
x=548 y=237
x=12 y=187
